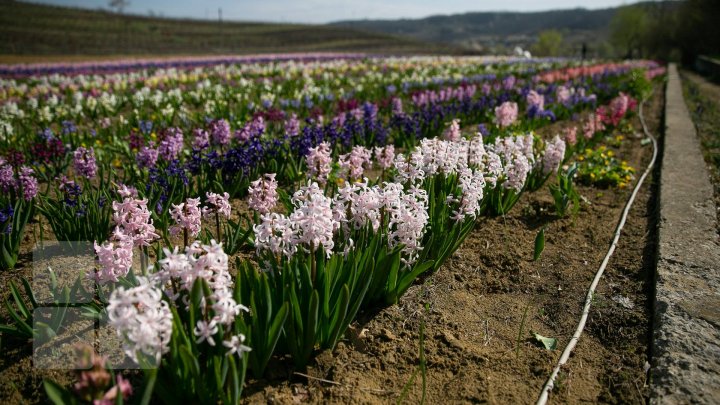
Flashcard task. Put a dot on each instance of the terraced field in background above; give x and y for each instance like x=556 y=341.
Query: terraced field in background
x=31 y=29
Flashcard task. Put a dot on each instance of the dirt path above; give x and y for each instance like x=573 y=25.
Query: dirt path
x=473 y=310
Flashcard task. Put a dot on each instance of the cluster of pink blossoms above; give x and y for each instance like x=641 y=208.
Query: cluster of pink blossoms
x=616 y=110
x=7 y=176
x=536 y=100
x=563 y=94
x=187 y=217
x=319 y=161
x=209 y=263
x=25 y=182
x=142 y=320
x=435 y=156
x=275 y=233
x=115 y=260
x=506 y=114
x=571 y=135
x=453 y=133
x=472 y=185
x=384 y=156
x=431 y=157
x=132 y=219
x=147 y=156
x=292 y=126
x=201 y=139
x=263 y=194
x=517 y=156
x=408 y=220
x=516 y=172
x=356 y=205
x=554 y=155
x=28 y=183
x=95 y=382
x=84 y=162
x=310 y=225
x=220 y=132
x=252 y=129
x=172 y=144
x=354 y=164
x=216 y=204
x=133 y=228
x=593 y=125
x=397 y=107
x=313 y=219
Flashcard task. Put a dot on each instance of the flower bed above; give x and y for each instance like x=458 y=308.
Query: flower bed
x=344 y=215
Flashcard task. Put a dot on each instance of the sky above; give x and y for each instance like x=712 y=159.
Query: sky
x=323 y=11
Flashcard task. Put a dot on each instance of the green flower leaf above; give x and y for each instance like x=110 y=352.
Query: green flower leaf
x=539 y=244
x=547 y=342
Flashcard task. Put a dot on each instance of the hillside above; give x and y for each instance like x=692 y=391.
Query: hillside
x=499 y=31
x=32 y=29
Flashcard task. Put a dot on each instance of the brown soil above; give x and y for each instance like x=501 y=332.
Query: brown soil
x=472 y=311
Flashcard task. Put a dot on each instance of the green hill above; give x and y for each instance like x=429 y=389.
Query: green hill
x=494 y=32
x=32 y=29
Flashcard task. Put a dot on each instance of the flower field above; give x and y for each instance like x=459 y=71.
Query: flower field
x=273 y=228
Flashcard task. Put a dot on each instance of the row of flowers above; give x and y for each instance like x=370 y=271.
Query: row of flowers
x=222 y=161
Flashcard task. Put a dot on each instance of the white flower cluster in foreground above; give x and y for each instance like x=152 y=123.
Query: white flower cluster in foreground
x=143 y=320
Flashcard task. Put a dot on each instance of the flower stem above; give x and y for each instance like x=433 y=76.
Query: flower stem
x=143 y=260
x=217 y=227
x=313 y=264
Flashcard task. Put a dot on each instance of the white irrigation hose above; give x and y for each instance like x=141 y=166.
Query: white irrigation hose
x=588 y=300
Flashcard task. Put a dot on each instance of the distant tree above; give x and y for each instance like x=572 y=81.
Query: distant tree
x=119 y=5
x=660 y=38
x=628 y=28
x=698 y=30
x=548 y=43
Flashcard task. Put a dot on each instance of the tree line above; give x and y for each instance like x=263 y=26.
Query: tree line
x=664 y=30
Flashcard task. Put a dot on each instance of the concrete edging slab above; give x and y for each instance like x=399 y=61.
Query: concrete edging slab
x=686 y=336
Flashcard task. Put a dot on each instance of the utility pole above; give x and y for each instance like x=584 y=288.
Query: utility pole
x=221 y=40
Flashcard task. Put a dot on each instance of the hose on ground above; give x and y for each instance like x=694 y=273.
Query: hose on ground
x=549 y=385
